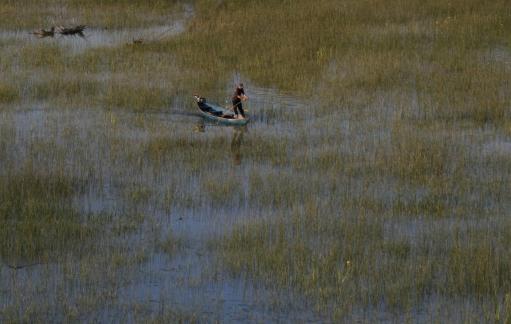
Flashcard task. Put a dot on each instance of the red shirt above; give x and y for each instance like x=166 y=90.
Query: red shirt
x=238 y=92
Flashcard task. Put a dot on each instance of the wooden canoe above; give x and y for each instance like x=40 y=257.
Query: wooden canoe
x=219 y=114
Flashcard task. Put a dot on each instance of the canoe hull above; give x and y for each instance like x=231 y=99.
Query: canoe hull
x=218 y=114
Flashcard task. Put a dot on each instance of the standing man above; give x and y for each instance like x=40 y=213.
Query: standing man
x=237 y=98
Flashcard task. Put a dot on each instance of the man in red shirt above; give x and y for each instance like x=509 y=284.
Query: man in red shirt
x=237 y=98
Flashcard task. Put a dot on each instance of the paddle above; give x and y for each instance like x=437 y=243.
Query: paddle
x=243 y=98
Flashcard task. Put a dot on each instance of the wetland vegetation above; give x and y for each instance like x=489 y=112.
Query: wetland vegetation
x=372 y=183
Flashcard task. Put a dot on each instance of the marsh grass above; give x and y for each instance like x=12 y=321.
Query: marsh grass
x=171 y=244
x=382 y=192
x=221 y=191
x=334 y=259
x=8 y=94
x=66 y=91
x=38 y=219
x=136 y=98
x=465 y=89
x=44 y=55
x=431 y=49
x=32 y=14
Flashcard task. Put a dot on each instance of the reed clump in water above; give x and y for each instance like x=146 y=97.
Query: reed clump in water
x=8 y=93
x=352 y=260
x=38 y=220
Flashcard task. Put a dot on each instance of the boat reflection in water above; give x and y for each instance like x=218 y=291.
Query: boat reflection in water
x=237 y=139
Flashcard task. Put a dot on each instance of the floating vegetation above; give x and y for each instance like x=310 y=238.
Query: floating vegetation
x=42 y=33
x=71 y=31
x=61 y=30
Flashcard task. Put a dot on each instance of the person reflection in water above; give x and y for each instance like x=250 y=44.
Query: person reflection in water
x=237 y=139
x=200 y=127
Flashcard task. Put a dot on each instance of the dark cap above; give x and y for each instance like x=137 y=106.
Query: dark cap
x=240 y=85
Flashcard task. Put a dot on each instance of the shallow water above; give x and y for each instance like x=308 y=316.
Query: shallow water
x=109 y=149
x=96 y=37
x=170 y=174
x=106 y=148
